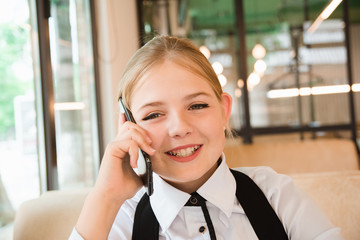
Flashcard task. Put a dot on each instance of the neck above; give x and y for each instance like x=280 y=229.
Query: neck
x=193 y=186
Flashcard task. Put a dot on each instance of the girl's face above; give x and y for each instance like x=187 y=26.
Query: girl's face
x=185 y=121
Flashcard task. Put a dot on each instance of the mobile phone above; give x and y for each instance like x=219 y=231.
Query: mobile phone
x=144 y=166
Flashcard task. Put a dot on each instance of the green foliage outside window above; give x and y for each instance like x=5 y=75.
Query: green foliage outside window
x=13 y=40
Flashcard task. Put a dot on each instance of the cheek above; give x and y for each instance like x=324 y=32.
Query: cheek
x=156 y=134
x=214 y=123
x=215 y=132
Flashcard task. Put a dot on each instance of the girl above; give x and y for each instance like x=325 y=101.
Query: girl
x=182 y=114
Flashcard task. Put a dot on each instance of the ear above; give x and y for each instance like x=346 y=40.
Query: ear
x=226 y=104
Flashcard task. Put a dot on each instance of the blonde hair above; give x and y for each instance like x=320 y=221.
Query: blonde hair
x=166 y=48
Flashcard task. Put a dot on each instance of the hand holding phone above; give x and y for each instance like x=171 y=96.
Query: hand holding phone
x=144 y=166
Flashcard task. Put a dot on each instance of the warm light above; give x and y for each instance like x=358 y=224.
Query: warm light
x=305 y=91
x=324 y=15
x=254 y=79
x=258 y=51
x=240 y=83
x=218 y=68
x=222 y=80
x=69 y=106
x=356 y=87
x=315 y=25
x=319 y=90
x=282 y=93
x=237 y=92
x=260 y=66
x=292 y=54
x=330 y=89
x=330 y=8
x=204 y=50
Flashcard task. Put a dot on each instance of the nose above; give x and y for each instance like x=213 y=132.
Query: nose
x=179 y=125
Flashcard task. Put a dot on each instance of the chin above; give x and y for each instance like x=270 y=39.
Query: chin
x=195 y=176
x=189 y=176
x=196 y=172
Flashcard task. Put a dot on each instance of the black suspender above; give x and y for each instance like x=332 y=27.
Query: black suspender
x=261 y=215
x=146 y=227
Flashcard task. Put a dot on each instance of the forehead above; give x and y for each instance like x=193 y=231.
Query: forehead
x=169 y=74
x=170 y=79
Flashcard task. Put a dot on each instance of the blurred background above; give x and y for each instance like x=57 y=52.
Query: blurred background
x=291 y=66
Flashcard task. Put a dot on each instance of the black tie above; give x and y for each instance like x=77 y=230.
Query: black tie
x=197 y=200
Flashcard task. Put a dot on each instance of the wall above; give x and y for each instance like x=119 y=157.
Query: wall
x=117 y=31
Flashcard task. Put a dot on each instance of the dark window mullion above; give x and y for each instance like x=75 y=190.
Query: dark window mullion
x=349 y=69
x=97 y=78
x=47 y=91
x=242 y=68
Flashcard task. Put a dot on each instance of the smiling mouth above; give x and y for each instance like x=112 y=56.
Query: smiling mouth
x=185 y=152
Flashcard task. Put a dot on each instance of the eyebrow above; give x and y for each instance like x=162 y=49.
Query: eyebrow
x=187 y=97
x=194 y=95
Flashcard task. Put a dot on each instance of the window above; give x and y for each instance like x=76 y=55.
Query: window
x=28 y=105
x=74 y=93
x=283 y=74
x=19 y=163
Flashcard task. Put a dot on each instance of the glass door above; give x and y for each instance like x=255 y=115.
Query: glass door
x=285 y=63
x=301 y=78
x=19 y=136
x=74 y=93
x=24 y=145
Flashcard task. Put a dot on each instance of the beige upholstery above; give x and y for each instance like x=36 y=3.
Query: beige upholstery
x=53 y=215
x=289 y=157
x=338 y=194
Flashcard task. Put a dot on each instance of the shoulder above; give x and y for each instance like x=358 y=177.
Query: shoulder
x=277 y=188
x=129 y=206
x=301 y=217
x=266 y=178
x=122 y=226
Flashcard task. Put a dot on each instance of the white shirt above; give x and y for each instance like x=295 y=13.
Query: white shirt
x=301 y=218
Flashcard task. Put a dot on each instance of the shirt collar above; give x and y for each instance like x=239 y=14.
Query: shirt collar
x=220 y=188
x=167 y=201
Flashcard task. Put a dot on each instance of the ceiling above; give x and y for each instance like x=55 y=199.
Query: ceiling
x=262 y=16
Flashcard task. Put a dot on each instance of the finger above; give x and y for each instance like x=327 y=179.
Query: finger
x=142 y=143
x=121 y=120
x=134 y=155
x=130 y=130
x=119 y=159
x=120 y=149
x=124 y=130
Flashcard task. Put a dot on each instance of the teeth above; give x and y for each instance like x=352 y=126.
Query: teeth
x=184 y=152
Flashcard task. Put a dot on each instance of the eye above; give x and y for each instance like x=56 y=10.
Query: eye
x=198 y=106
x=151 y=116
